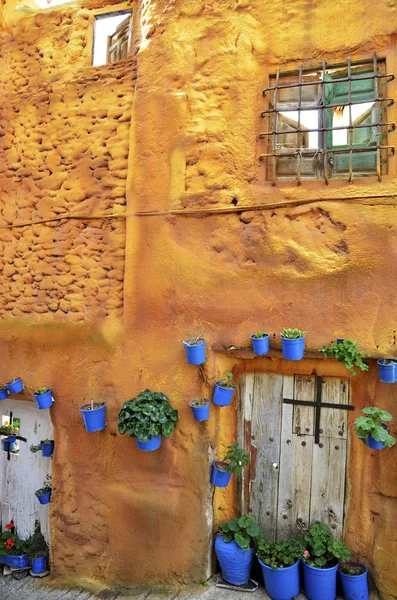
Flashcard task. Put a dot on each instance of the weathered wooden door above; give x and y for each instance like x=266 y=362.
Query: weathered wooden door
x=295 y=478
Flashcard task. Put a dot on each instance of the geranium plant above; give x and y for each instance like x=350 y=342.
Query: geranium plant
x=242 y=530
x=348 y=353
x=12 y=545
x=227 y=382
x=279 y=555
x=235 y=460
x=371 y=423
x=148 y=415
x=322 y=551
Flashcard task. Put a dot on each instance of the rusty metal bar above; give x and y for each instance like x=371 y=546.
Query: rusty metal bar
x=299 y=140
x=315 y=106
x=274 y=163
x=332 y=81
x=349 y=95
x=358 y=126
x=377 y=114
x=294 y=151
x=324 y=129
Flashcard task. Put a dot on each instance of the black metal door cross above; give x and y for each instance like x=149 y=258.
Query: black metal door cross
x=318 y=405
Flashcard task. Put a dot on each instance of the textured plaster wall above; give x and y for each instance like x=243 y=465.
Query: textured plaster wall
x=320 y=258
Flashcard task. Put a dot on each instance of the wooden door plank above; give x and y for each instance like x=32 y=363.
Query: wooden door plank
x=245 y=400
x=333 y=422
x=286 y=485
x=304 y=389
x=265 y=434
x=303 y=458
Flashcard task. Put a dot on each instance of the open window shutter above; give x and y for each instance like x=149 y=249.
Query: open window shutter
x=118 y=41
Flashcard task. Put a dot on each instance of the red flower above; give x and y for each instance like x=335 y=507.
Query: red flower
x=9 y=543
x=10 y=525
x=351 y=423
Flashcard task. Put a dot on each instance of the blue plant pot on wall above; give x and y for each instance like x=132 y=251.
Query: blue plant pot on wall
x=195 y=355
x=235 y=562
x=43 y=400
x=219 y=477
x=39 y=565
x=293 y=349
x=6 y=445
x=373 y=444
x=320 y=584
x=153 y=444
x=260 y=345
x=387 y=370
x=47 y=449
x=16 y=386
x=44 y=498
x=94 y=420
x=282 y=584
x=3 y=394
x=355 y=586
x=12 y=439
x=200 y=413
x=222 y=396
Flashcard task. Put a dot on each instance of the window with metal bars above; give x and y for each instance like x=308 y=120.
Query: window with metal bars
x=327 y=123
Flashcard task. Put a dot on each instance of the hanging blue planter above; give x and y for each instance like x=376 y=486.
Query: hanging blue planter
x=235 y=562
x=220 y=477
x=6 y=445
x=201 y=412
x=18 y=562
x=260 y=345
x=12 y=439
x=94 y=420
x=43 y=400
x=374 y=444
x=293 y=349
x=153 y=444
x=355 y=587
x=282 y=584
x=16 y=386
x=44 y=498
x=195 y=353
x=387 y=370
x=3 y=393
x=222 y=396
x=47 y=449
x=320 y=584
x=39 y=565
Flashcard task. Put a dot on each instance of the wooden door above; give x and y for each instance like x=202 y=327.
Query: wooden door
x=292 y=481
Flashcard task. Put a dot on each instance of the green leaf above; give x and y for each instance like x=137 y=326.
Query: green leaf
x=234 y=524
x=167 y=428
x=243 y=541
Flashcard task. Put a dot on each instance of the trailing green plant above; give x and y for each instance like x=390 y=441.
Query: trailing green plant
x=259 y=335
x=322 y=551
x=41 y=391
x=243 y=530
x=194 y=340
x=371 y=423
x=350 y=570
x=279 y=555
x=12 y=545
x=46 y=486
x=348 y=353
x=227 y=382
x=292 y=334
x=148 y=415
x=236 y=459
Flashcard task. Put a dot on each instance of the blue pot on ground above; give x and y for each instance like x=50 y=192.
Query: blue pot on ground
x=293 y=349
x=3 y=394
x=387 y=370
x=222 y=396
x=18 y=562
x=94 y=420
x=195 y=354
x=235 y=562
x=200 y=412
x=153 y=444
x=43 y=400
x=44 y=498
x=16 y=386
x=39 y=565
x=319 y=584
x=355 y=587
x=260 y=345
x=220 y=477
x=47 y=449
x=282 y=584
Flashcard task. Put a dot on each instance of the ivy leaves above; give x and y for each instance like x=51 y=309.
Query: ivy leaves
x=240 y=529
x=146 y=416
x=348 y=353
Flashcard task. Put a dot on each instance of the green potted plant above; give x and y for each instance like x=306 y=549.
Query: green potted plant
x=224 y=390
x=279 y=562
x=13 y=550
x=320 y=562
x=11 y=431
x=387 y=370
x=46 y=446
x=200 y=409
x=44 y=493
x=354 y=579
x=293 y=343
x=195 y=348
x=43 y=397
x=260 y=342
x=146 y=418
x=15 y=386
x=234 y=462
x=347 y=352
x=372 y=429
x=234 y=548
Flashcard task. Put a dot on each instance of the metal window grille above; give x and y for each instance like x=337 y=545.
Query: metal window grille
x=327 y=91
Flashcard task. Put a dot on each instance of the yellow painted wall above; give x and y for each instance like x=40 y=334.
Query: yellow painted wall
x=95 y=306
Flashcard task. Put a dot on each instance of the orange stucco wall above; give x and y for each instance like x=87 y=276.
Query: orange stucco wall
x=95 y=298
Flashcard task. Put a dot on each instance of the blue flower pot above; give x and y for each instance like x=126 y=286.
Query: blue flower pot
x=387 y=370
x=235 y=562
x=44 y=498
x=14 y=387
x=260 y=345
x=39 y=565
x=293 y=349
x=200 y=413
x=12 y=439
x=153 y=444
x=94 y=420
x=282 y=584
x=375 y=445
x=47 y=449
x=219 y=477
x=44 y=400
x=195 y=355
x=320 y=584
x=222 y=396
x=18 y=562
x=3 y=394
x=355 y=587
x=6 y=445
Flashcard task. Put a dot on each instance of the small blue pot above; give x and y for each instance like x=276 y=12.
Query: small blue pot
x=14 y=387
x=374 y=444
x=222 y=396
x=6 y=445
x=282 y=584
x=387 y=370
x=47 y=449
x=44 y=400
x=293 y=349
x=260 y=345
x=195 y=355
x=200 y=413
x=94 y=420
x=3 y=394
x=218 y=477
x=320 y=584
x=355 y=587
x=45 y=498
x=153 y=444
x=12 y=439
x=235 y=562
x=18 y=562
x=39 y=565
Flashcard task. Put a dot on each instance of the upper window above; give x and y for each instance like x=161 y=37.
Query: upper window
x=112 y=37
x=327 y=123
